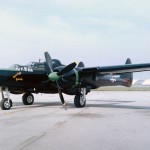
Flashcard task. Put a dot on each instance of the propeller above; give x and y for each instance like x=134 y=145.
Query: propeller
x=56 y=76
x=67 y=68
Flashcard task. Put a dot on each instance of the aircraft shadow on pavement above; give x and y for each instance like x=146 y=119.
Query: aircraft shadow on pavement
x=116 y=104
x=19 y=105
x=99 y=104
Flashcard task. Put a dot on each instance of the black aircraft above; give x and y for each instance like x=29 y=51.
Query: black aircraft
x=53 y=77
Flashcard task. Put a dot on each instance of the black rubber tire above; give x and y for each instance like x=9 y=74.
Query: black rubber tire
x=11 y=103
x=5 y=105
x=28 y=99
x=77 y=101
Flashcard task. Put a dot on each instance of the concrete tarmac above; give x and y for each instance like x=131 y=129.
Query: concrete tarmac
x=110 y=121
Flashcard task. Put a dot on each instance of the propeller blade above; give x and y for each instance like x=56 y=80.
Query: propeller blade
x=61 y=97
x=48 y=61
x=60 y=94
x=67 y=68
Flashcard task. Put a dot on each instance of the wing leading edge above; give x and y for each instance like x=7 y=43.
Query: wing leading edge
x=127 y=68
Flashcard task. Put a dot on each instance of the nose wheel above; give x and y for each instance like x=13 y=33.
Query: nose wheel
x=6 y=103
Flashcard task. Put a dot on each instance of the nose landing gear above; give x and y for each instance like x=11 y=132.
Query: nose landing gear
x=6 y=103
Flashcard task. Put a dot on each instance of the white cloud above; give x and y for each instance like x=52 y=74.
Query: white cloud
x=75 y=30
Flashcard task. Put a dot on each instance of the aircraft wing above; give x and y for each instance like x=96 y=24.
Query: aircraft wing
x=118 y=69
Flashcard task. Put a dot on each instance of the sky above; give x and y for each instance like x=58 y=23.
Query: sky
x=97 y=32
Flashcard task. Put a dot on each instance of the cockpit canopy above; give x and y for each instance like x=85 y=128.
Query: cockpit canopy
x=36 y=66
x=33 y=66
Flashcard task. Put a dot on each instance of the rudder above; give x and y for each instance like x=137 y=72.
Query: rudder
x=128 y=77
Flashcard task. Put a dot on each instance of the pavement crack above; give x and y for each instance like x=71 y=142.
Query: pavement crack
x=30 y=141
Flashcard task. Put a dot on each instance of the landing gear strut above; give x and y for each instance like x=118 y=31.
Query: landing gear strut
x=80 y=99
x=6 y=103
x=28 y=99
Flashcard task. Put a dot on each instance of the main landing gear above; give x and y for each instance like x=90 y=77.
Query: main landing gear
x=6 y=103
x=28 y=99
x=80 y=98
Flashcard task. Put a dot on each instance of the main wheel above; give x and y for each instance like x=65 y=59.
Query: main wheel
x=6 y=104
x=79 y=101
x=28 y=99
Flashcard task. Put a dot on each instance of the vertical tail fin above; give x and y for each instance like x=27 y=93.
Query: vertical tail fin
x=128 y=77
x=81 y=64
